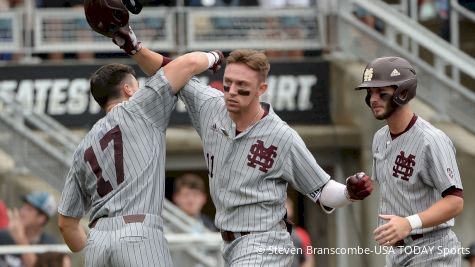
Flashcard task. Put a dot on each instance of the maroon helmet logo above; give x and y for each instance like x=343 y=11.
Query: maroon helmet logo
x=403 y=166
x=260 y=155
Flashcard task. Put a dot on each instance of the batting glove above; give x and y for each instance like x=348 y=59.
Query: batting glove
x=125 y=38
x=358 y=186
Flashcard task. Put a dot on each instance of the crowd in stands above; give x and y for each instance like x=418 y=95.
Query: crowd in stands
x=26 y=226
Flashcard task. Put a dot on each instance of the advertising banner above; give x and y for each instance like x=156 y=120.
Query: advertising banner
x=298 y=91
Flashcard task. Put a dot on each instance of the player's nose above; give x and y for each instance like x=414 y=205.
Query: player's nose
x=233 y=89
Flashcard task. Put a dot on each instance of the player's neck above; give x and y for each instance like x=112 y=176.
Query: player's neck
x=111 y=104
x=399 y=120
x=246 y=119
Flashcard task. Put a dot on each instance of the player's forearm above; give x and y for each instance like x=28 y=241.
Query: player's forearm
x=75 y=238
x=442 y=211
x=73 y=233
x=149 y=61
x=182 y=69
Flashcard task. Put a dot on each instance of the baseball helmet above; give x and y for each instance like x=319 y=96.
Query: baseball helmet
x=391 y=71
x=106 y=16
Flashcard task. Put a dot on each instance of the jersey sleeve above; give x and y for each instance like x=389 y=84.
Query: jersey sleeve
x=301 y=169
x=73 y=203
x=155 y=101
x=195 y=95
x=441 y=165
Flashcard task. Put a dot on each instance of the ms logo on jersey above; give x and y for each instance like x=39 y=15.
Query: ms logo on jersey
x=403 y=166
x=260 y=155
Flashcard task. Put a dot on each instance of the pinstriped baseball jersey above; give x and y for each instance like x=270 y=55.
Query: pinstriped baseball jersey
x=249 y=173
x=413 y=170
x=118 y=168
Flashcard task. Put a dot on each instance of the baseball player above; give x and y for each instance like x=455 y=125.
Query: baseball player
x=252 y=156
x=414 y=164
x=118 y=168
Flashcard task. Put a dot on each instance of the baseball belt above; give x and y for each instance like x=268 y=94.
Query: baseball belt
x=134 y=218
x=229 y=236
x=401 y=242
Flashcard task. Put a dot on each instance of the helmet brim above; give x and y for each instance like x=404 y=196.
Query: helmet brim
x=375 y=84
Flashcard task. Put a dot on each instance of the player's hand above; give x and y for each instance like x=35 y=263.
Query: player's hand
x=219 y=60
x=358 y=186
x=125 y=38
x=16 y=227
x=395 y=229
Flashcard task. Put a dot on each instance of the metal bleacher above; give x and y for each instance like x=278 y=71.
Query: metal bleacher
x=181 y=29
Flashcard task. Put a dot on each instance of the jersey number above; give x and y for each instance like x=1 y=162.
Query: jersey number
x=210 y=161
x=103 y=187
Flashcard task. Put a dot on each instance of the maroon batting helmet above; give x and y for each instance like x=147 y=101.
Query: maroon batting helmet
x=391 y=71
x=106 y=16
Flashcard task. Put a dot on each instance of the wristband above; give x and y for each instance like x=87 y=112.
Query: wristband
x=414 y=221
x=212 y=58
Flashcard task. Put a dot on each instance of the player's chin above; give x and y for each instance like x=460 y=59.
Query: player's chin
x=380 y=114
x=232 y=106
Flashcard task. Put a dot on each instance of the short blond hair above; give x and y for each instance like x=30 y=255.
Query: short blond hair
x=255 y=60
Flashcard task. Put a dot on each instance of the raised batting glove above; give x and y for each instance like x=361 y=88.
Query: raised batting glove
x=219 y=60
x=358 y=186
x=125 y=38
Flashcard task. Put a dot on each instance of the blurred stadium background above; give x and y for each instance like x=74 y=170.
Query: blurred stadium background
x=318 y=50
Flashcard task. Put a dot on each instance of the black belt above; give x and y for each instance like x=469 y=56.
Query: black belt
x=229 y=236
x=134 y=218
x=401 y=242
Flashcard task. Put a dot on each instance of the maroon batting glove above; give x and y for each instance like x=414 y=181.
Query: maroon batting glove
x=359 y=186
x=219 y=60
x=125 y=38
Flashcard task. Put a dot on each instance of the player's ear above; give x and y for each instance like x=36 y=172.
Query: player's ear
x=128 y=90
x=262 y=88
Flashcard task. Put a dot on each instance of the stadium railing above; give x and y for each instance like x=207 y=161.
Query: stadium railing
x=182 y=242
x=66 y=30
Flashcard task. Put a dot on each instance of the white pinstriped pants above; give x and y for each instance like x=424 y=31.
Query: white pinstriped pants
x=439 y=248
x=112 y=242
x=263 y=249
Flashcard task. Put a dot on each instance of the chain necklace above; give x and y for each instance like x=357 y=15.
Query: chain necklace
x=256 y=118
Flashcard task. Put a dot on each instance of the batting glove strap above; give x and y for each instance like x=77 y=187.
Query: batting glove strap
x=125 y=38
